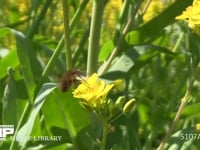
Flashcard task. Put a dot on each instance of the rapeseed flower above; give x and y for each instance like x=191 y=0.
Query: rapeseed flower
x=155 y=7
x=197 y=127
x=192 y=16
x=93 y=92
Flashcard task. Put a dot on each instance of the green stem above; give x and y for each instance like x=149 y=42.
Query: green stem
x=79 y=49
x=94 y=37
x=104 y=135
x=180 y=109
x=124 y=12
x=178 y=43
x=60 y=45
x=53 y=58
x=67 y=34
x=146 y=6
x=37 y=22
x=77 y=14
x=22 y=118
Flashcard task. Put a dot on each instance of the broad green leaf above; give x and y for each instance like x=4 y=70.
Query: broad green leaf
x=72 y=108
x=4 y=32
x=23 y=48
x=126 y=61
x=121 y=65
x=191 y=109
x=14 y=98
x=10 y=60
x=26 y=129
x=51 y=109
x=27 y=60
x=9 y=101
x=64 y=114
x=153 y=28
x=106 y=50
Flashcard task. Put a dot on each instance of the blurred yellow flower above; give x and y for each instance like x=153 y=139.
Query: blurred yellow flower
x=118 y=85
x=92 y=91
x=198 y=127
x=155 y=7
x=111 y=13
x=192 y=16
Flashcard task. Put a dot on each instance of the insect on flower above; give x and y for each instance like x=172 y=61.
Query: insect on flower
x=92 y=91
x=69 y=78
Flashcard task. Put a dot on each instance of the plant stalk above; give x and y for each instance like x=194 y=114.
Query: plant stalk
x=37 y=22
x=104 y=134
x=22 y=118
x=94 y=37
x=180 y=109
x=61 y=42
x=67 y=34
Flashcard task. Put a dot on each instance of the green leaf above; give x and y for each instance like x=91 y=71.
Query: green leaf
x=153 y=28
x=71 y=109
x=66 y=110
x=4 y=32
x=14 y=93
x=9 y=102
x=106 y=50
x=121 y=65
x=10 y=60
x=192 y=109
x=125 y=62
x=51 y=109
x=26 y=129
x=23 y=48
x=29 y=64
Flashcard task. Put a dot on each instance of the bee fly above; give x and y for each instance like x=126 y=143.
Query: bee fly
x=69 y=78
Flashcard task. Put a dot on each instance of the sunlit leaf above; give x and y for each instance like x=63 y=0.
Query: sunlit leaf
x=26 y=129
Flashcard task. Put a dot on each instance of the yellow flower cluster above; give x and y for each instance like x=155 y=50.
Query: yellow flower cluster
x=23 y=7
x=112 y=11
x=110 y=17
x=7 y=16
x=57 y=22
x=155 y=7
x=192 y=16
x=92 y=91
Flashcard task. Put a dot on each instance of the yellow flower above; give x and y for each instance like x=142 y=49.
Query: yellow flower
x=92 y=91
x=192 y=16
x=198 y=127
x=118 y=85
x=155 y=7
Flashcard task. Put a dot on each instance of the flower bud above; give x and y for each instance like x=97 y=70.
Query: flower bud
x=129 y=105
x=119 y=101
x=118 y=85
